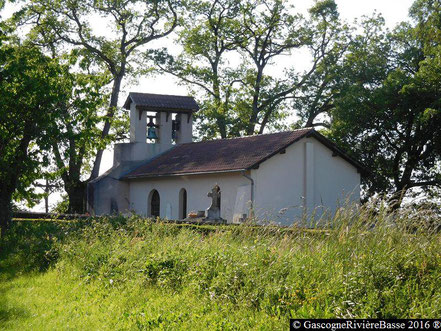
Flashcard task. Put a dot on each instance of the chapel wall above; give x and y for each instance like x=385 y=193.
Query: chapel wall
x=305 y=182
x=197 y=187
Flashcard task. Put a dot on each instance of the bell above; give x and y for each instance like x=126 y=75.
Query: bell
x=151 y=133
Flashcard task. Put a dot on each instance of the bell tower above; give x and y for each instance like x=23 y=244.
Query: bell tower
x=157 y=122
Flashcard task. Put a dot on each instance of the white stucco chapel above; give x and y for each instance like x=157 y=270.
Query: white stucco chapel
x=277 y=177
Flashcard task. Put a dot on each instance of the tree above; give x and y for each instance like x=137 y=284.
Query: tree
x=29 y=96
x=3 y=28
x=313 y=100
x=269 y=31
x=98 y=60
x=246 y=99
x=207 y=37
x=76 y=134
x=132 y=25
x=388 y=110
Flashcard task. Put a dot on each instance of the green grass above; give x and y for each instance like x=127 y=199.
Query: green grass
x=119 y=273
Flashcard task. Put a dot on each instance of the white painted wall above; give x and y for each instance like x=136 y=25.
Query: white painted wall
x=336 y=181
x=197 y=187
x=107 y=189
x=279 y=186
x=185 y=133
x=285 y=181
x=164 y=120
x=138 y=125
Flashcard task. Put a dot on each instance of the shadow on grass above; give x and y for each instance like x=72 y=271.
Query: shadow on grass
x=9 y=313
x=29 y=247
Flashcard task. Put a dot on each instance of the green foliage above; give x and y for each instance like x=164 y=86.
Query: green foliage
x=314 y=98
x=91 y=118
x=29 y=247
x=207 y=34
x=387 y=104
x=62 y=207
x=77 y=135
x=30 y=92
x=131 y=273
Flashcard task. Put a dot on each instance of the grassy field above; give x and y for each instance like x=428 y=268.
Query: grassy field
x=130 y=273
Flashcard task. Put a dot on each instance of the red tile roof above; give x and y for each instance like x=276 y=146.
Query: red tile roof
x=221 y=155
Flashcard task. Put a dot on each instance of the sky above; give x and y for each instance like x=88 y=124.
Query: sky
x=393 y=11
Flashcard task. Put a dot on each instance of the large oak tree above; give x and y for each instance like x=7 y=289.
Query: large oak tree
x=229 y=53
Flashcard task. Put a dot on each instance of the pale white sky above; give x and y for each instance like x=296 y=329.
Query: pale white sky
x=393 y=11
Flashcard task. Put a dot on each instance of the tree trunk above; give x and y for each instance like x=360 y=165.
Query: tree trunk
x=5 y=211
x=112 y=107
x=77 y=198
x=255 y=104
x=310 y=121
x=222 y=128
x=220 y=118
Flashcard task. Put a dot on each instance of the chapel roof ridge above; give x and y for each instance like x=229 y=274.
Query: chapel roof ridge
x=309 y=128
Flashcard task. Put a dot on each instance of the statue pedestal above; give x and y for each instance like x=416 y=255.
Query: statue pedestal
x=212 y=214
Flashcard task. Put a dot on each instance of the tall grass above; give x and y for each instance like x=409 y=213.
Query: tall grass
x=130 y=273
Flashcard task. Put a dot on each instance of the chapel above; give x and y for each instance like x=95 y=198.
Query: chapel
x=277 y=177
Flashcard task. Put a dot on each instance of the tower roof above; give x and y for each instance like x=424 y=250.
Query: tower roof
x=162 y=102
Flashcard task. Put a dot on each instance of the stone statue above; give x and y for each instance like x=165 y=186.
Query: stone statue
x=213 y=212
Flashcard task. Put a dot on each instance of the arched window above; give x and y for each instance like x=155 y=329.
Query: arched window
x=182 y=203
x=154 y=203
